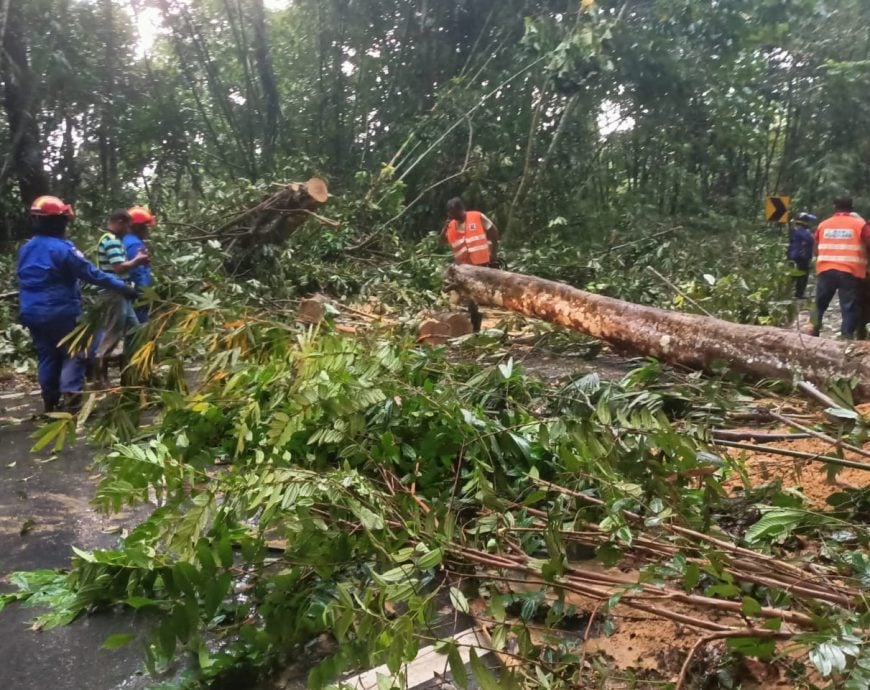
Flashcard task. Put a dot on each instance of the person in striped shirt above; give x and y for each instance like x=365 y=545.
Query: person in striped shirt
x=120 y=317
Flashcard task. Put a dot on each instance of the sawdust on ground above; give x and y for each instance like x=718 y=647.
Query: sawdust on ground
x=809 y=477
x=638 y=649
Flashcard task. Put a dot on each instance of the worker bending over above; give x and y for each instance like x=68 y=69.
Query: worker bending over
x=474 y=240
x=49 y=270
x=842 y=243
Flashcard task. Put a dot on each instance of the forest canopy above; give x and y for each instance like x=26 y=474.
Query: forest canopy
x=596 y=112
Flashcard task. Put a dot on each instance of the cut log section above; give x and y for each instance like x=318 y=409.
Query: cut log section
x=437 y=329
x=698 y=342
x=312 y=309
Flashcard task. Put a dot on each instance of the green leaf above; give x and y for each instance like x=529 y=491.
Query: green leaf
x=457 y=598
x=482 y=674
x=753 y=646
x=496 y=607
x=750 y=607
x=776 y=523
x=457 y=668
x=430 y=559
x=140 y=602
x=204 y=656
x=830 y=657
x=691 y=577
x=118 y=640
x=84 y=555
x=842 y=413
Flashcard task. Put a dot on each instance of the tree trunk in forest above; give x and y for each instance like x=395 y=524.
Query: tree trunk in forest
x=271 y=99
x=689 y=340
x=18 y=101
x=106 y=136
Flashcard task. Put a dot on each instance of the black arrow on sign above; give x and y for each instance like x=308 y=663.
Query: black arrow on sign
x=780 y=209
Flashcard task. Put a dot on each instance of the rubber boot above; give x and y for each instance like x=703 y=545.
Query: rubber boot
x=72 y=402
x=475 y=316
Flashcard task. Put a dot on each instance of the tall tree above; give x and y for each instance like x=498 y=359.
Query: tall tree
x=271 y=99
x=25 y=158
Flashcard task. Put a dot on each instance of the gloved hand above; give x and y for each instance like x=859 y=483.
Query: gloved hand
x=495 y=262
x=131 y=293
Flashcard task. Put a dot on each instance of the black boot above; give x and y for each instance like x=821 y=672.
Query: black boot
x=72 y=402
x=475 y=316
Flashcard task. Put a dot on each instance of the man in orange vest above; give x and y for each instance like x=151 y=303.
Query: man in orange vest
x=842 y=246
x=474 y=240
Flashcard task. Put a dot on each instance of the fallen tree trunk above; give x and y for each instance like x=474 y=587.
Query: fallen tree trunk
x=698 y=342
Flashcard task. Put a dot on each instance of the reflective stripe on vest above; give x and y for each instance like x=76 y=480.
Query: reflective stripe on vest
x=471 y=245
x=840 y=246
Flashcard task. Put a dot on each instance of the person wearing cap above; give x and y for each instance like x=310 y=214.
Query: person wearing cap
x=141 y=222
x=50 y=268
x=120 y=316
x=800 y=251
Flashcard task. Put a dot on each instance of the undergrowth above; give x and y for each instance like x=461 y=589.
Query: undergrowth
x=310 y=483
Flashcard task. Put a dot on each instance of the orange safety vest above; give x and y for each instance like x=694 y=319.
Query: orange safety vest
x=470 y=246
x=840 y=247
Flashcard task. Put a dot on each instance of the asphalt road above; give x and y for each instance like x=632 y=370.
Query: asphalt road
x=44 y=509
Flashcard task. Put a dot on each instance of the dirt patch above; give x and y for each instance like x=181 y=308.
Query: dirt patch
x=13 y=382
x=643 y=643
x=807 y=476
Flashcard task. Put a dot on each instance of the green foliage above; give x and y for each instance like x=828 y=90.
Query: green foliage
x=285 y=509
x=305 y=483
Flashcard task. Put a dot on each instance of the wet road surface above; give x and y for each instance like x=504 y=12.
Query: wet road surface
x=44 y=509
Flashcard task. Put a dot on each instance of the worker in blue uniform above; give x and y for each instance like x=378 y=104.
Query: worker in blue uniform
x=141 y=223
x=49 y=270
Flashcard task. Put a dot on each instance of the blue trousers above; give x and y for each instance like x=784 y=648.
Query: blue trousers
x=58 y=369
x=829 y=283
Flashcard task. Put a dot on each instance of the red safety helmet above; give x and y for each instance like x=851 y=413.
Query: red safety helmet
x=140 y=215
x=51 y=206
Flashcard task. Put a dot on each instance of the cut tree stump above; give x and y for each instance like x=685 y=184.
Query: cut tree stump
x=697 y=342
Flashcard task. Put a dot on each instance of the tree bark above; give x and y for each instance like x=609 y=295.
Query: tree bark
x=272 y=101
x=20 y=105
x=107 y=128
x=698 y=342
x=272 y=221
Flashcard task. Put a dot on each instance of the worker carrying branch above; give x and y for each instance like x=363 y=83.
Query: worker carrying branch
x=49 y=271
x=474 y=240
